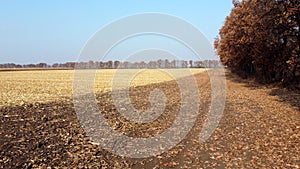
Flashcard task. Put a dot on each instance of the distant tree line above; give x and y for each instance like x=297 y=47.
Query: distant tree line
x=122 y=65
x=261 y=38
x=70 y=65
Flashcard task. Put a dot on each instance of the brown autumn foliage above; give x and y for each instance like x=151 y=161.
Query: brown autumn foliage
x=261 y=38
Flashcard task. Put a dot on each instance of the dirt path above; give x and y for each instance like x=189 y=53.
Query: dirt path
x=260 y=128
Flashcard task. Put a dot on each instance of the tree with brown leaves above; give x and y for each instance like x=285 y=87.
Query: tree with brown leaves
x=261 y=38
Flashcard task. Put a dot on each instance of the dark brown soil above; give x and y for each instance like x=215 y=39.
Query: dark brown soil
x=260 y=128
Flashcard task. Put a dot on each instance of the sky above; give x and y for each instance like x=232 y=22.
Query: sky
x=55 y=31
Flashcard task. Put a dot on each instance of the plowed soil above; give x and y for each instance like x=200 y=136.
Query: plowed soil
x=260 y=128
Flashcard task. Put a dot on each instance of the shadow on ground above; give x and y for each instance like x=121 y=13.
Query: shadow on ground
x=288 y=96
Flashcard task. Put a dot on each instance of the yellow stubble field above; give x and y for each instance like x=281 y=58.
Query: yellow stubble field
x=22 y=87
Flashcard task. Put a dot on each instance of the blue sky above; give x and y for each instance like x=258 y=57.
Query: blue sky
x=51 y=31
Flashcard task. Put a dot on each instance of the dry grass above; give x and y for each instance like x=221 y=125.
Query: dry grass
x=20 y=87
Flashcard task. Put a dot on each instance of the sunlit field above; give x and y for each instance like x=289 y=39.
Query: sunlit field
x=20 y=87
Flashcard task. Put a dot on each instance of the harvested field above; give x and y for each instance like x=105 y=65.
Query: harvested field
x=260 y=127
x=20 y=87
